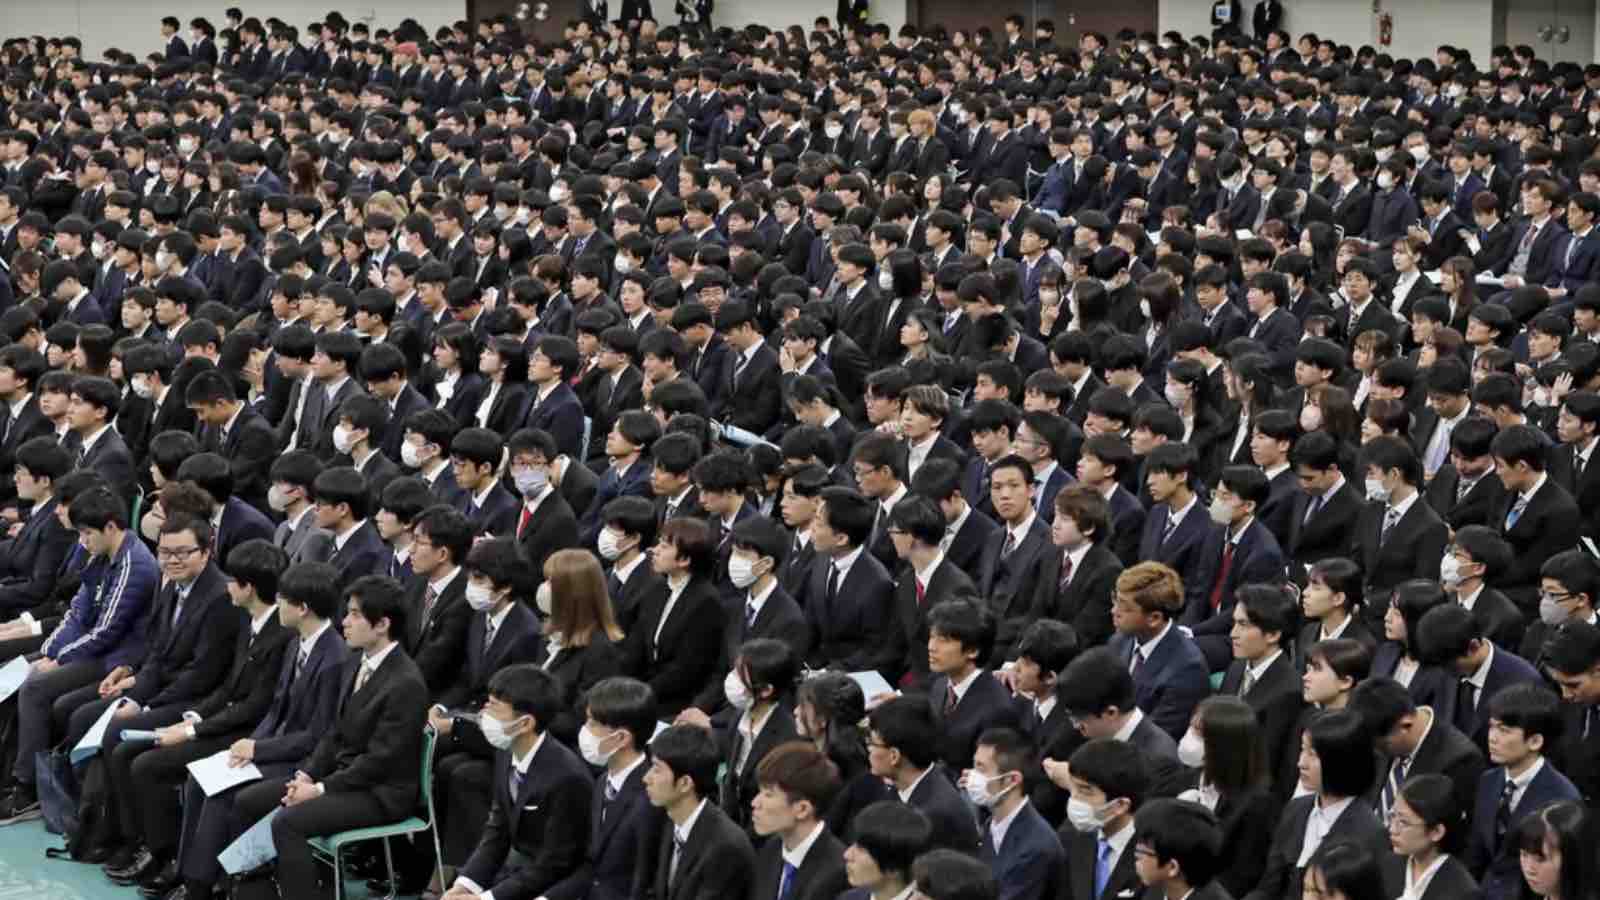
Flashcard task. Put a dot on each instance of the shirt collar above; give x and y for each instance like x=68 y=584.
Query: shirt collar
x=1020 y=532
x=967 y=682
x=522 y=763
x=1404 y=506
x=1481 y=676
x=440 y=584
x=1149 y=647
x=260 y=622
x=496 y=619
x=1125 y=733
x=306 y=643
x=905 y=795
x=888 y=504
x=925 y=575
x=1526 y=778
x=844 y=562
x=339 y=540
x=760 y=600
x=798 y=855
x=625 y=571
x=618 y=779
x=1527 y=495
x=1259 y=669
x=373 y=661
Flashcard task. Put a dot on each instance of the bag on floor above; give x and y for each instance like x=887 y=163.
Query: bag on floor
x=57 y=785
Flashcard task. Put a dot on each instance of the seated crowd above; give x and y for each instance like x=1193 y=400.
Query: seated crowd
x=682 y=463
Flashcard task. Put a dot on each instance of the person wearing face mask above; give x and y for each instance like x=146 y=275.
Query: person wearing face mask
x=1475 y=557
x=580 y=632
x=360 y=418
x=1108 y=785
x=292 y=476
x=1242 y=551
x=504 y=631
x=1016 y=841
x=1397 y=537
x=629 y=529
x=423 y=447
x=441 y=539
x=759 y=692
x=1223 y=771
x=538 y=824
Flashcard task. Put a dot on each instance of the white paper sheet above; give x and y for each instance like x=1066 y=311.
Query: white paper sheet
x=872 y=683
x=13 y=675
x=214 y=775
x=90 y=745
x=252 y=849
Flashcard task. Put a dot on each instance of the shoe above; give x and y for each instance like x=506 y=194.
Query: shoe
x=160 y=879
x=143 y=863
x=181 y=892
x=21 y=805
x=96 y=855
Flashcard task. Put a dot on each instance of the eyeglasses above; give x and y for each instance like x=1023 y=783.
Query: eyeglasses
x=177 y=552
x=1555 y=597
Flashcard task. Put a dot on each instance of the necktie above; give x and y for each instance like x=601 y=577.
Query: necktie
x=1248 y=682
x=749 y=616
x=1009 y=545
x=362 y=675
x=950 y=699
x=1391 y=518
x=1464 y=487
x=299 y=664
x=429 y=596
x=739 y=368
x=677 y=853
x=1137 y=663
x=1312 y=507
x=1222 y=576
x=1172 y=525
x=488 y=637
x=922 y=591
x=1466 y=707
x=833 y=583
x=1441 y=448
x=614 y=587
x=1588 y=721
x=1391 y=787
x=1502 y=814
x=610 y=795
x=516 y=783
x=1516 y=511
x=1102 y=867
x=1065 y=578
x=177 y=608
x=786 y=884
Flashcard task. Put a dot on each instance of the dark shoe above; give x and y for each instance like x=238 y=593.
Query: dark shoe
x=160 y=879
x=144 y=863
x=96 y=855
x=115 y=861
x=181 y=892
x=21 y=805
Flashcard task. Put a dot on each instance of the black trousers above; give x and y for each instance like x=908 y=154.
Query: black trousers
x=44 y=703
x=328 y=814
x=144 y=787
x=462 y=796
x=210 y=824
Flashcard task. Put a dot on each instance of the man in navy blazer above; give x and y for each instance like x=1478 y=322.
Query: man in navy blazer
x=622 y=823
x=628 y=475
x=1450 y=637
x=93 y=408
x=1244 y=552
x=1529 y=719
x=965 y=699
x=30 y=559
x=555 y=408
x=1170 y=675
x=1536 y=244
x=1009 y=566
x=1018 y=844
x=343 y=504
x=1177 y=526
x=753 y=397
x=904 y=728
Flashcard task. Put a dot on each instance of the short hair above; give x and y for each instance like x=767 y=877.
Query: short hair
x=625 y=703
x=1049 y=644
x=1521 y=444
x=692 y=539
x=1530 y=707
x=1107 y=764
x=98 y=508
x=965 y=622
x=257 y=563
x=1096 y=681
x=689 y=751
x=343 y=484
x=892 y=833
x=802 y=772
x=952 y=875
x=1087 y=508
x=530 y=691
x=1184 y=832
x=446 y=528
x=1269 y=608
x=313 y=585
x=1153 y=586
x=499 y=560
x=380 y=597
x=906 y=724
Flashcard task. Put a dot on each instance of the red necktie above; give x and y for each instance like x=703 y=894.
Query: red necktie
x=1222 y=576
x=523 y=522
x=922 y=592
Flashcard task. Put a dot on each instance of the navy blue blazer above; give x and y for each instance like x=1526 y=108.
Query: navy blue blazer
x=985 y=705
x=1505 y=669
x=1171 y=683
x=1009 y=582
x=1544 y=258
x=363 y=553
x=633 y=483
x=1028 y=863
x=855 y=624
x=1180 y=551
x=1496 y=864
x=1044 y=492
x=240 y=522
x=618 y=833
x=561 y=415
x=31 y=560
x=517 y=641
x=1257 y=558
x=302 y=709
x=497 y=516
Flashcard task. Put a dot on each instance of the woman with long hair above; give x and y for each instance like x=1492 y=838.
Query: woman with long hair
x=829 y=711
x=1458 y=280
x=1223 y=749
x=582 y=634
x=1558 y=853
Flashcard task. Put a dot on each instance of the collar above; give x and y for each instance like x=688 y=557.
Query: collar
x=1118 y=841
x=925 y=575
x=1176 y=515
x=1404 y=506
x=522 y=763
x=339 y=540
x=965 y=683
x=306 y=643
x=1076 y=555
x=1331 y=812
x=1526 y=778
x=905 y=795
x=625 y=571
x=497 y=619
x=1020 y=532
x=618 y=779
x=260 y=621
x=844 y=562
x=440 y=584
x=89 y=441
x=1481 y=676
x=760 y=600
x=1527 y=495
x=372 y=661
x=1260 y=668
x=1125 y=733
x=798 y=855
x=18 y=404
x=1149 y=647
x=888 y=504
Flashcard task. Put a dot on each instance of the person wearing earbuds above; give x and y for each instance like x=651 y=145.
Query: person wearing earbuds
x=1016 y=842
x=538 y=824
x=504 y=632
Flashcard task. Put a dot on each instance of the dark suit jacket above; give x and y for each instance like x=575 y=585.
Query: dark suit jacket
x=303 y=709
x=250 y=448
x=971 y=542
x=29 y=561
x=1412 y=550
x=517 y=640
x=1008 y=581
x=576 y=669
x=1082 y=849
x=1505 y=669
x=904 y=656
x=852 y=626
x=1171 y=682
x=1181 y=551
x=1276 y=700
x=1028 y=863
x=1446 y=751
x=1256 y=560
x=1501 y=621
x=363 y=553
x=562 y=416
x=680 y=663
x=1495 y=863
x=1282 y=878
x=187 y=659
x=716 y=862
x=986 y=704
x=950 y=814
x=1085 y=604
x=1329 y=532
x=820 y=876
x=110 y=457
x=1550 y=524
x=535 y=839
x=620 y=834
x=779 y=618
x=1479 y=506
x=375 y=745
x=246 y=693
x=439 y=642
x=752 y=398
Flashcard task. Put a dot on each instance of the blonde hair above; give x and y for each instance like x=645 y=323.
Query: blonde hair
x=389 y=204
x=1154 y=587
x=579 y=605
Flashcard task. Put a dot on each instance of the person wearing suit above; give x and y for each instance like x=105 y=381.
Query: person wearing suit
x=1177 y=525
x=1108 y=786
x=752 y=397
x=629 y=473
x=143 y=775
x=538 y=824
x=341 y=509
x=159 y=409
x=1243 y=553
x=886 y=838
x=292 y=477
x=1337 y=764
x=917 y=528
x=849 y=609
x=1078 y=576
x=1449 y=637
x=702 y=854
x=1262 y=672
x=364 y=770
x=1416 y=740
x=237 y=432
x=1540 y=518
x=1325 y=509
x=673 y=645
x=30 y=559
x=20 y=418
x=305 y=705
x=1523 y=781
x=1466 y=491
x=475 y=454
x=1008 y=570
x=554 y=408
x=1170 y=675
x=1017 y=843
x=1399 y=537
x=1423 y=863
x=902 y=742
x=1329 y=602
x=965 y=699
x=436 y=596
x=801 y=859
x=94 y=406
x=1099 y=694
x=338 y=354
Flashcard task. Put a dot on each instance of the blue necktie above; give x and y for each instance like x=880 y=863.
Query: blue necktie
x=786 y=884
x=1102 y=867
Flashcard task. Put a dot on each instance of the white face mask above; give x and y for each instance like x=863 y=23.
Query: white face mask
x=1144 y=309
x=1385 y=180
x=1450 y=571
x=141 y=388
x=344 y=439
x=542 y=598
x=622 y=263
x=153 y=166
x=738 y=695
x=1420 y=153
x=1175 y=397
x=1083 y=816
x=1384 y=154
x=494 y=730
x=1313 y=137
x=1376 y=490
x=741 y=571
x=1221 y=511
x=589 y=746
x=833 y=131
x=479 y=598
x=609 y=544
x=885 y=280
x=277 y=498
x=558 y=193
x=163 y=260
x=98 y=249
x=410 y=455
x=1551 y=613
x=977 y=788
x=188 y=145
x=1192 y=750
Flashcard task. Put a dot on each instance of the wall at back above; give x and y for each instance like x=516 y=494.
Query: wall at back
x=1420 y=26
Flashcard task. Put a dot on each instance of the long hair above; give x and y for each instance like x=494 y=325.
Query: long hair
x=579 y=604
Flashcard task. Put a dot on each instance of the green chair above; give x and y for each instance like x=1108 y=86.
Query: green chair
x=138 y=509
x=328 y=848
